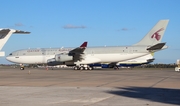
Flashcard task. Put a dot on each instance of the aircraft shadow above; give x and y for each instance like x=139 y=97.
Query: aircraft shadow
x=163 y=95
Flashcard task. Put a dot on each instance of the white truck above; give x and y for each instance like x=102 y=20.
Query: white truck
x=178 y=65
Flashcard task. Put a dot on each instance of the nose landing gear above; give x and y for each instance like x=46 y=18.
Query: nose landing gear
x=21 y=67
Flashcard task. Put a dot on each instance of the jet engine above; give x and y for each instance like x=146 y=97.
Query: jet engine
x=53 y=62
x=63 y=57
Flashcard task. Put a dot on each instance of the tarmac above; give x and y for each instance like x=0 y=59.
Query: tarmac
x=100 y=87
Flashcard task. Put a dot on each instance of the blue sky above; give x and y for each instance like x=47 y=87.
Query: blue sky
x=68 y=23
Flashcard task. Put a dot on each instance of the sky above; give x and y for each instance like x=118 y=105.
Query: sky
x=68 y=23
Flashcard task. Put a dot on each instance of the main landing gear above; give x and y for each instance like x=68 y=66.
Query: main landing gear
x=83 y=67
x=116 y=67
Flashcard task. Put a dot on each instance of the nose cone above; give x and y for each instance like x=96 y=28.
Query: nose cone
x=9 y=58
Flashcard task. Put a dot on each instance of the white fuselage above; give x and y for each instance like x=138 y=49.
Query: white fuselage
x=91 y=55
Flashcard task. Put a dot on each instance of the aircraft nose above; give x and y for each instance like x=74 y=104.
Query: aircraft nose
x=9 y=58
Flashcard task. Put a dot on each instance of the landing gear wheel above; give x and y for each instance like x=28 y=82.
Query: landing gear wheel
x=85 y=68
x=90 y=68
x=21 y=68
x=116 y=68
x=75 y=68
x=81 y=68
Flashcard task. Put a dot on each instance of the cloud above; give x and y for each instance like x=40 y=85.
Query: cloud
x=18 y=24
x=69 y=26
x=125 y=29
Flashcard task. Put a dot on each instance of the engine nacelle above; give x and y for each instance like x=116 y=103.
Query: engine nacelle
x=53 y=62
x=63 y=57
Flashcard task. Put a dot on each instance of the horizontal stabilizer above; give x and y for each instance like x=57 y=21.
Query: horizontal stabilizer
x=157 y=46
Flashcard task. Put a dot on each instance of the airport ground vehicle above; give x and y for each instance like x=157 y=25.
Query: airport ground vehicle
x=178 y=65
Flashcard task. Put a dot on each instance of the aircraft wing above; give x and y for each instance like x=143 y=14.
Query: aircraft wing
x=14 y=31
x=78 y=52
x=5 y=34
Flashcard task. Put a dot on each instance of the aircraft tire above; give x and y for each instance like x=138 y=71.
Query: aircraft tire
x=75 y=68
x=81 y=68
x=21 y=68
x=90 y=68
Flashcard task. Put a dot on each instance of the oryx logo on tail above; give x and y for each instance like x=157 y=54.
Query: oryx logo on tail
x=156 y=35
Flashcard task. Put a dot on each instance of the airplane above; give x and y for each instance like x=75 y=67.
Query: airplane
x=5 y=34
x=81 y=57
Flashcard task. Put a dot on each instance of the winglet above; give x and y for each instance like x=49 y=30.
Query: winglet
x=21 y=32
x=78 y=50
x=84 y=44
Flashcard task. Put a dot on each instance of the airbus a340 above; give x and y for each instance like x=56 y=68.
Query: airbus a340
x=81 y=57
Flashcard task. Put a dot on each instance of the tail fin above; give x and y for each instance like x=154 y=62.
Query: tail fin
x=155 y=35
x=6 y=33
